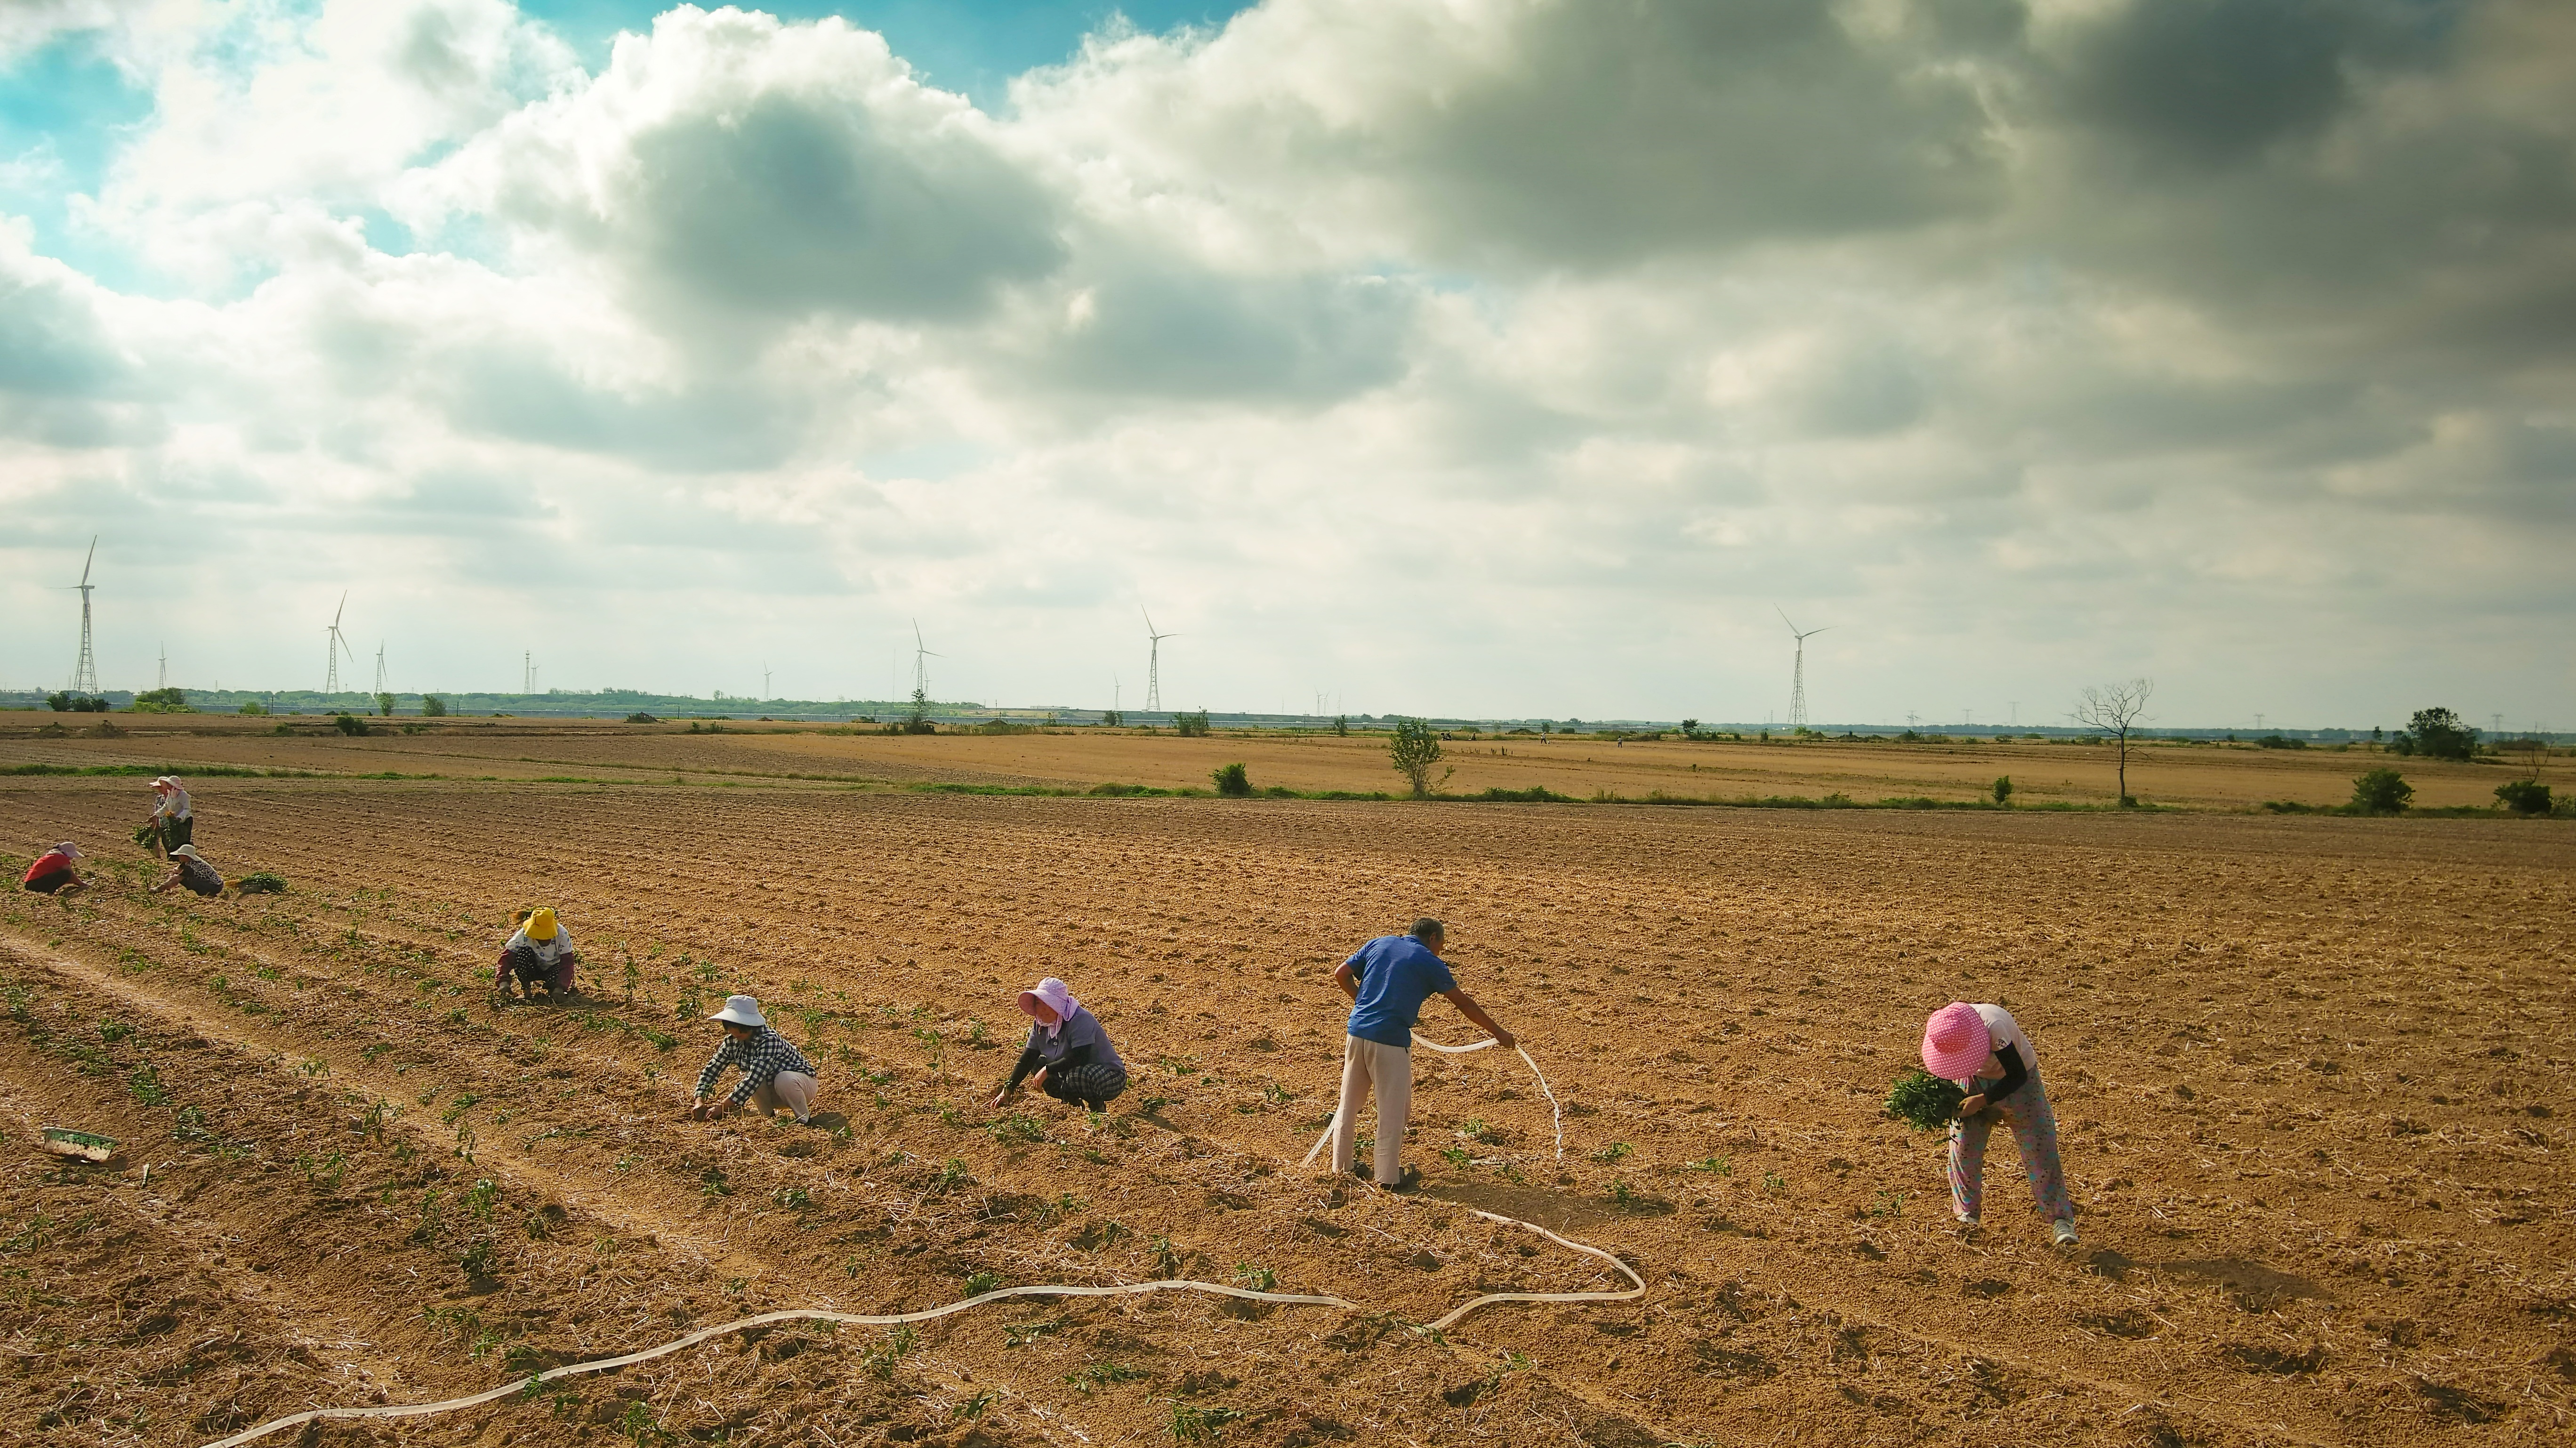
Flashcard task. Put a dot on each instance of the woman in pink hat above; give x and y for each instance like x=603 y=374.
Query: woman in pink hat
x=1983 y=1049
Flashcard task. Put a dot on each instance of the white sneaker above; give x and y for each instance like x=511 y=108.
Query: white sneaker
x=2063 y=1234
x=1966 y=1222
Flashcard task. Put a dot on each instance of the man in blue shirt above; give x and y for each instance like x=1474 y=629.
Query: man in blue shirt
x=1387 y=980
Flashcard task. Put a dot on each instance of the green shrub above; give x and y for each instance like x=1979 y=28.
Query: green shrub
x=432 y=707
x=642 y=719
x=2524 y=796
x=173 y=700
x=2381 y=791
x=1191 y=726
x=1413 y=747
x=348 y=723
x=253 y=707
x=2003 y=789
x=1231 y=781
x=1924 y=1101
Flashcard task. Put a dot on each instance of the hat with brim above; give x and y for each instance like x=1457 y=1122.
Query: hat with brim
x=740 y=1011
x=68 y=850
x=1956 y=1042
x=191 y=852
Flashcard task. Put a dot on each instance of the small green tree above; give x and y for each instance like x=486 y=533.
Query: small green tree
x=2438 y=734
x=172 y=700
x=2003 y=789
x=2524 y=796
x=384 y=706
x=254 y=706
x=2381 y=791
x=349 y=724
x=1112 y=718
x=1341 y=723
x=1690 y=728
x=432 y=707
x=1413 y=748
x=1232 y=781
x=1191 y=726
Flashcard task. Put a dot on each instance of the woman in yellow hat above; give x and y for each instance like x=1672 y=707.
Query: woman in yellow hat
x=539 y=952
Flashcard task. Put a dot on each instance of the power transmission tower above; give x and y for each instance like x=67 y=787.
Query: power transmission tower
x=1798 y=672
x=85 y=668
x=528 y=672
x=1154 y=665
x=162 y=680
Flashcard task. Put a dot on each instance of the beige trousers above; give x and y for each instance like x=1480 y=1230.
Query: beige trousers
x=791 y=1089
x=1388 y=1070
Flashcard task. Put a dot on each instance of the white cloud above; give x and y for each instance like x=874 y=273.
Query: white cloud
x=1471 y=355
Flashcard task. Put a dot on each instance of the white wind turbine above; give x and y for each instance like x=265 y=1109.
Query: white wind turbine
x=1154 y=665
x=1798 y=674
x=334 y=644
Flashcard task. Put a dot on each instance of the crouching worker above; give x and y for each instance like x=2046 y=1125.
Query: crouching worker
x=52 y=874
x=171 y=824
x=189 y=868
x=539 y=952
x=774 y=1073
x=1984 y=1050
x=1067 y=1049
x=1387 y=980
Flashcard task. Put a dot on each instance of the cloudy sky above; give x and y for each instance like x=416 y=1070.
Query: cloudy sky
x=1459 y=356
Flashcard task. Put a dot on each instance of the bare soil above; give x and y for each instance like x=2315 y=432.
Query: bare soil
x=2313 y=1074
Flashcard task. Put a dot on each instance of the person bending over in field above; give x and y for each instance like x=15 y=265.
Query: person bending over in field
x=1387 y=980
x=538 y=953
x=171 y=823
x=1984 y=1050
x=52 y=874
x=774 y=1073
x=189 y=868
x=1067 y=1049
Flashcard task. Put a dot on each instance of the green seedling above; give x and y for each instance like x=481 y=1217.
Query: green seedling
x=891 y=1349
x=974 y=1407
x=1723 y=1166
x=1021 y=1334
x=1194 y=1424
x=1092 y=1378
x=983 y=1282
x=1613 y=1152
x=1259 y=1279
x=1924 y=1101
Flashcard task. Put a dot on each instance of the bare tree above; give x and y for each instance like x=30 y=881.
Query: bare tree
x=2115 y=710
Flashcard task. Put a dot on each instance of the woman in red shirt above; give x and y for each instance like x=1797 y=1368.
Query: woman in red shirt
x=52 y=874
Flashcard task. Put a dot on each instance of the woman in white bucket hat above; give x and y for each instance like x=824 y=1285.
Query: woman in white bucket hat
x=774 y=1073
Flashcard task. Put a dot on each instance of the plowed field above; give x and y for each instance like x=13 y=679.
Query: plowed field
x=2313 y=1074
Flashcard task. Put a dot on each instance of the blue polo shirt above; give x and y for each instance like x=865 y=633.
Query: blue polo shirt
x=1396 y=974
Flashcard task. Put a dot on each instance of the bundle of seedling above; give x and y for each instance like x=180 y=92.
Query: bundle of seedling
x=1924 y=1101
x=148 y=834
x=260 y=883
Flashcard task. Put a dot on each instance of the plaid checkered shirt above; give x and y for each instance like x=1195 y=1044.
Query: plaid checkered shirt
x=761 y=1059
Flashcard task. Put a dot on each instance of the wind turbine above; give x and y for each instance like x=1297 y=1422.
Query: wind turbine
x=380 y=666
x=334 y=644
x=1798 y=676
x=921 y=656
x=1154 y=665
x=85 y=669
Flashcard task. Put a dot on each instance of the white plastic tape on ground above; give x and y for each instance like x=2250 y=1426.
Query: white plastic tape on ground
x=529 y=1384
x=1556 y=1112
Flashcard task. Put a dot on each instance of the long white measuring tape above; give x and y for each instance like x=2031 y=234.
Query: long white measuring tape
x=529 y=1384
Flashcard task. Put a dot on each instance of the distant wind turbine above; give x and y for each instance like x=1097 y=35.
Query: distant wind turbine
x=1798 y=674
x=334 y=644
x=85 y=668
x=1154 y=665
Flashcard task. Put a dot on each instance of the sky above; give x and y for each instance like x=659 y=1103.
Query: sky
x=1466 y=357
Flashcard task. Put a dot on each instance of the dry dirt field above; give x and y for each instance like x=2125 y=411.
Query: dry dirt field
x=2313 y=1074
x=2187 y=776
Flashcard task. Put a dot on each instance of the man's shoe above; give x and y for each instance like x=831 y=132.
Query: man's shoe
x=2063 y=1234
x=1363 y=1171
x=1407 y=1183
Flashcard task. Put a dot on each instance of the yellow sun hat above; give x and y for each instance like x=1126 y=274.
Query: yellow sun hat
x=541 y=926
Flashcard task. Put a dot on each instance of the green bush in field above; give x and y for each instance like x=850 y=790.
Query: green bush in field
x=1191 y=726
x=432 y=707
x=2003 y=789
x=2381 y=791
x=2524 y=796
x=1232 y=781
x=1413 y=748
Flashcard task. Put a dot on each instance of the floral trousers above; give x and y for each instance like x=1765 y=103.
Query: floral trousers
x=2034 y=1129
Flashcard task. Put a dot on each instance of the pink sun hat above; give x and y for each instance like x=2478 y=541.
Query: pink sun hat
x=1956 y=1042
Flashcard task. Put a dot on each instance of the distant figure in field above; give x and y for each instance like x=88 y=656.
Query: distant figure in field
x=52 y=874
x=1975 y=1045
x=1067 y=1048
x=538 y=953
x=189 y=868
x=774 y=1073
x=1387 y=980
x=171 y=822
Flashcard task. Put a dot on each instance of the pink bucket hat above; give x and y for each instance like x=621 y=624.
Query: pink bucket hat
x=1056 y=996
x=1956 y=1042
